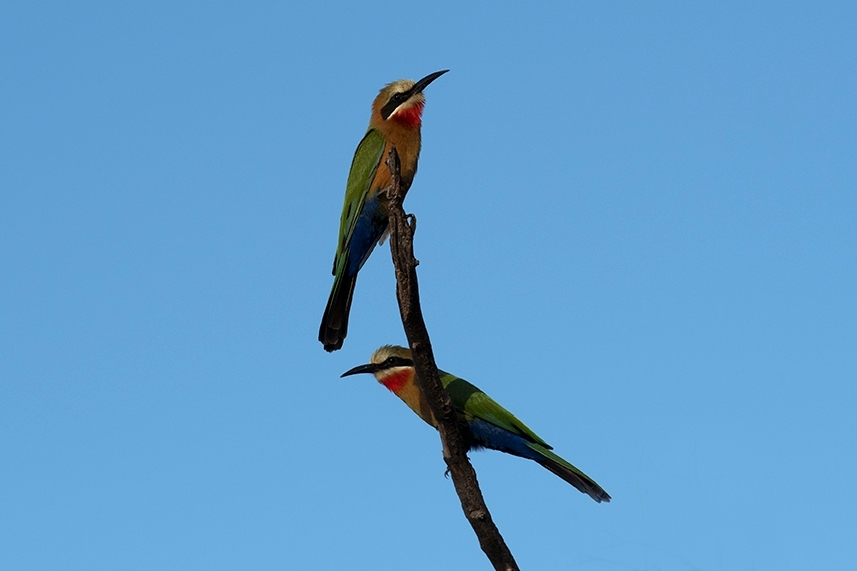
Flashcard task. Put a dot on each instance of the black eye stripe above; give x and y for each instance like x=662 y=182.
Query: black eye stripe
x=395 y=100
x=395 y=361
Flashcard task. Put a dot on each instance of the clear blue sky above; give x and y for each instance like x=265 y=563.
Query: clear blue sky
x=637 y=231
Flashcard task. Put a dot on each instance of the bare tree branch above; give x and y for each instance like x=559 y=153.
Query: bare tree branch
x=402 y=229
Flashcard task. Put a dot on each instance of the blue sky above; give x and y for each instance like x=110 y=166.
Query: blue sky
x=636 y=231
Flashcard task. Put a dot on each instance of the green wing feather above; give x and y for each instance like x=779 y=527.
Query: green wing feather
x=472 y=401
x=367 y=157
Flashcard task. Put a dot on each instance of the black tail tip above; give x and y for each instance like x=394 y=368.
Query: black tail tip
x=332 y=338
x=331 y=342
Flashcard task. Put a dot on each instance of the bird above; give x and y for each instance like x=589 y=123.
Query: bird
x=395 y=120
x=484 y=423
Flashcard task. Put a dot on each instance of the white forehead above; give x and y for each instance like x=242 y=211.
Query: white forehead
x=381 y=355
x=387 y=351
x=399 y=86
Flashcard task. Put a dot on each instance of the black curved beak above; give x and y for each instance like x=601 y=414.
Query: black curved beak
x=370 y=368
x=424 y=82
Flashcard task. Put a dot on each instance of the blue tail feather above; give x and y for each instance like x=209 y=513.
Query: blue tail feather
x=486 y=435
x=370 y=227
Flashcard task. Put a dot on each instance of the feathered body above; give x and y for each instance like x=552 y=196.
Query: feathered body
x=396 y=120
x=486 y=424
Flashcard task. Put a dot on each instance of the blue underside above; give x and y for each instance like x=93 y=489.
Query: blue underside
x=486 y=435
x=370 y=226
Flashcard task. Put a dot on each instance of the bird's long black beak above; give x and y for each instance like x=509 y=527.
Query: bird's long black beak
x=370 y=368
x=424 y=82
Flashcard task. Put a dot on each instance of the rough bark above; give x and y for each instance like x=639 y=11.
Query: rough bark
x=402 y=229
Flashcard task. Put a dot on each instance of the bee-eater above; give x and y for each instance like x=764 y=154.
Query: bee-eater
x=396 y=120
x=485 y=423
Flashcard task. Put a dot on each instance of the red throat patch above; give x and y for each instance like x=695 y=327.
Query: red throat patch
x=396 y=381
x=412 y=117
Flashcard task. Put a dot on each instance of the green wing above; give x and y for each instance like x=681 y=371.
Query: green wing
x=367 y=157
x=473 y=402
